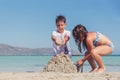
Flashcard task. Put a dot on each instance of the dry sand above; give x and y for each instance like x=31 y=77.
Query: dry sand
x=58 y=76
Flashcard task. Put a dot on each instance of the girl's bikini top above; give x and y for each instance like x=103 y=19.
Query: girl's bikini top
x=97 y=38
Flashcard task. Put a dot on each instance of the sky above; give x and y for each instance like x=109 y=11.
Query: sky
x=29 y=23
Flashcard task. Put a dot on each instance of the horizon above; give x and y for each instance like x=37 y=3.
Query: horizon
x=29 y=23
x=113 y=54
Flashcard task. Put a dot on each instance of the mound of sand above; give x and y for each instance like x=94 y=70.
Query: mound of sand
x=60 y=63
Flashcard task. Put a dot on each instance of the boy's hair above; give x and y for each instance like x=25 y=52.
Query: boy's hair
x=61 y=18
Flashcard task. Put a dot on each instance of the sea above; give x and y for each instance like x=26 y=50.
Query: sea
x=37 y=63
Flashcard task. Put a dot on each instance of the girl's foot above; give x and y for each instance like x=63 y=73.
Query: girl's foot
x=94 y=70
x=100 y=70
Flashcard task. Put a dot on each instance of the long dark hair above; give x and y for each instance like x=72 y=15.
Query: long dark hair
x=79 y=33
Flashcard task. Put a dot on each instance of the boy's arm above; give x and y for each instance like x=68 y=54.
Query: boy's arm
x=66 y=38
x=54 y=39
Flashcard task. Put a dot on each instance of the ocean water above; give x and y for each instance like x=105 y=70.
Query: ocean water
x=36 y=63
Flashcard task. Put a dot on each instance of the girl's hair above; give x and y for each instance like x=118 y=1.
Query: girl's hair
x=79 y=34
x=61 y=18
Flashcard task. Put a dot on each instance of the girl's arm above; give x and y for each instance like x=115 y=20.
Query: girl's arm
x=86 y=57
x=90 y=46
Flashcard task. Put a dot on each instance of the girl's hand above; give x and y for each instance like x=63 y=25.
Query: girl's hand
x=79 y=62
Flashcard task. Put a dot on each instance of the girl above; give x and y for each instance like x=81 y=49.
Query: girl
x=95 y=44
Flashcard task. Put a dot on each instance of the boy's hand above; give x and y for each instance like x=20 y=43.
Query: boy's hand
x=62 y=42
x=58 y=42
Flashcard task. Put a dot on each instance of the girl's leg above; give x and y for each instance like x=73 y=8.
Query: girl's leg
x=92 y=63
x=99 y=51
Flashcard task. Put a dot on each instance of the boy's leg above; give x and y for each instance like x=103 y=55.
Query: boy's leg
x=67 y=49
x=56 y=50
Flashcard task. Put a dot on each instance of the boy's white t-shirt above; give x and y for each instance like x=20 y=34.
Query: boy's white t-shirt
x=59 y=36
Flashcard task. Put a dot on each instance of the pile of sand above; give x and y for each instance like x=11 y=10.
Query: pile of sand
x=60 y=63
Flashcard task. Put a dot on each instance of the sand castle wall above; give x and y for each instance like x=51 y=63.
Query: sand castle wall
x=60 y=63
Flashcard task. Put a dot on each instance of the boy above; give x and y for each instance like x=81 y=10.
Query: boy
x=61 y=37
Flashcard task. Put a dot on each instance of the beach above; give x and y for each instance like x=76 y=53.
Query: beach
x=30 y=68
x=58 y=76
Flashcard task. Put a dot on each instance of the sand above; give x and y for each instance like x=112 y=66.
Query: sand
x=58 y=76
x=60 y=63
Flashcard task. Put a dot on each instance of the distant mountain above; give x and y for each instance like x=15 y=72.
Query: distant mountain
x=11 y=50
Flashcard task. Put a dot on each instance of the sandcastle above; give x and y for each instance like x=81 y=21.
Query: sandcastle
x=60 y=63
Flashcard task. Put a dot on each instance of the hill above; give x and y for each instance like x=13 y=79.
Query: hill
x=11 y=50
x=8 y=50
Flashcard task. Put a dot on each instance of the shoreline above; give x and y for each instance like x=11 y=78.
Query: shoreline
x=59 y=76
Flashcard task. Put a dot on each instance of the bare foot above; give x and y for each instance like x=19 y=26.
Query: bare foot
x=94 y=70
x=100 y=70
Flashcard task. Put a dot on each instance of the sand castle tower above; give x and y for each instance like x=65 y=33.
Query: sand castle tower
x=60 y=63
